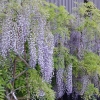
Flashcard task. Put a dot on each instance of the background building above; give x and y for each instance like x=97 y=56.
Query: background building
x=70 y=4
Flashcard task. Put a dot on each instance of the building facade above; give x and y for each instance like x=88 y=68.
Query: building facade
x=70 y=4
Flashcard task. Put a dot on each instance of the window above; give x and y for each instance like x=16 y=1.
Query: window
x=85 y=1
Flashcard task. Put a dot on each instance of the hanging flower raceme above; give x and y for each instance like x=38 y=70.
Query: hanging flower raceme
x=48 y=56
x=6 y=31
x=60 y=83
x=85 y=82
x=22 y=32
x=45 y=50
x=68 y=82
x=15 y=30
x=98 y=46
x=32 y=50
x=20 y=35
x=76 y=44
x=40 y=43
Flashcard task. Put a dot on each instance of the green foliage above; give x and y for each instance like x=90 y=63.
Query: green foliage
x=2 y=95
x=35 y=82
x=21 y=81
x=37 y=85
x=14 y=5
x=77 y=84
x=6 y=72
x=62 y=58
x=88 y=18
x=59 y=18
x=90 y=91
x=70 y=59
x=38 y=69
x=91 y=63
x=59 y=57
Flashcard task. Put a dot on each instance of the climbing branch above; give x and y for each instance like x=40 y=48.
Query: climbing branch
x=28 y=66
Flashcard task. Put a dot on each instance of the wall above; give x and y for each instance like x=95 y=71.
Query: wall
x=69 y=4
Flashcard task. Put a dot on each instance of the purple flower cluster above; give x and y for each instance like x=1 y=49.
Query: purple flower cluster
x=5 y=40
x=68 y=82
x=45 y=50
x=60 y=83
x=32 y=50
x=14 y=33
